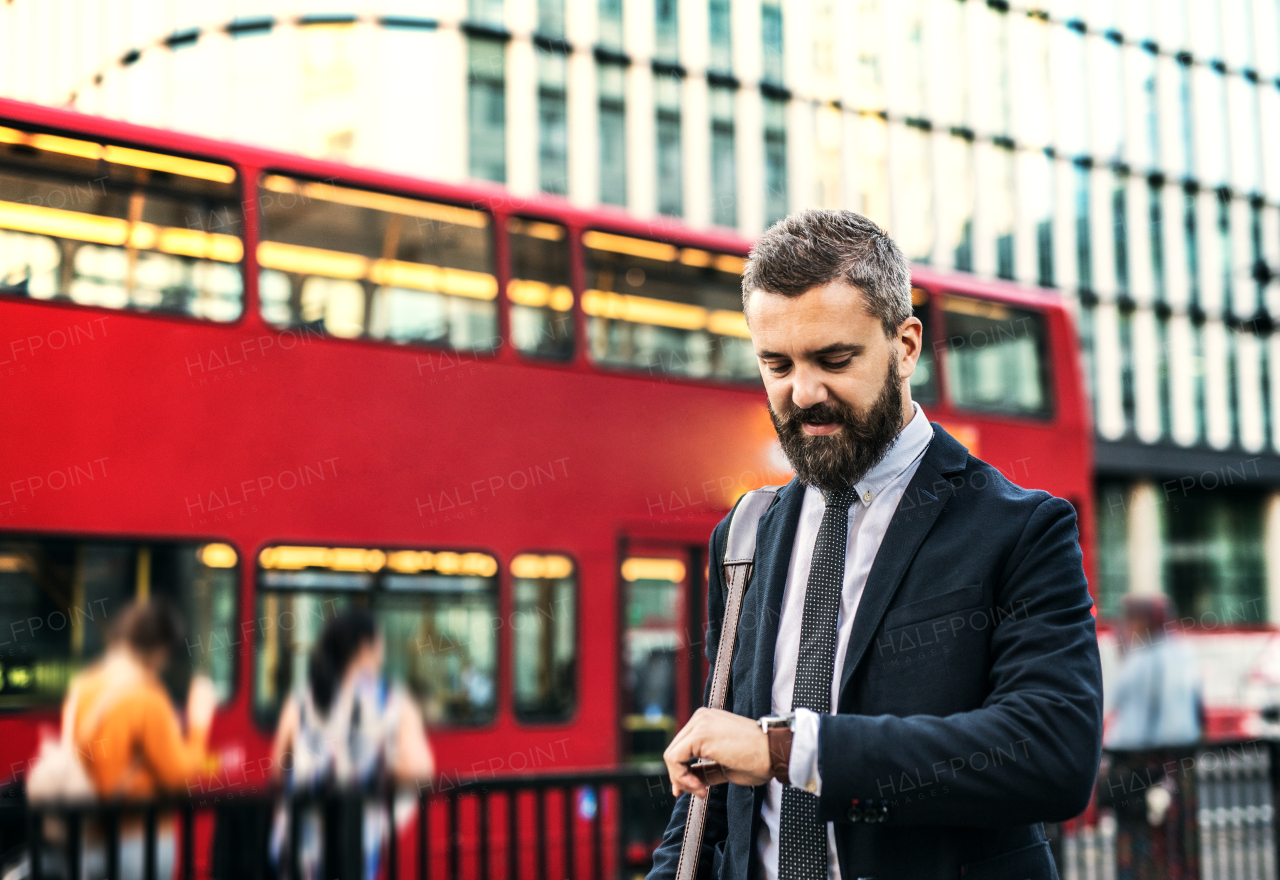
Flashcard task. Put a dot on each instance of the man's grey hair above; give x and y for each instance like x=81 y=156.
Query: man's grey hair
x=812 y=248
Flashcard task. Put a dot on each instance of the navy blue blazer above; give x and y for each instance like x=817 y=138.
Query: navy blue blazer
x=970 y=703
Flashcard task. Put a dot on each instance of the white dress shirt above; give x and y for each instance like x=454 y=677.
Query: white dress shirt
x=878 y=495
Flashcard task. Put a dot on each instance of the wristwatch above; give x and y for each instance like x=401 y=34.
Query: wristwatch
x=779 y=729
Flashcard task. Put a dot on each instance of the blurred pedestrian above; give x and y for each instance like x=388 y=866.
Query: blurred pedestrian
x=343 y=732
x=1156 y=715
x=128 y=735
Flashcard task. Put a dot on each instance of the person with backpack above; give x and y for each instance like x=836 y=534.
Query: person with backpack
x=341 y=733
x=123 y=738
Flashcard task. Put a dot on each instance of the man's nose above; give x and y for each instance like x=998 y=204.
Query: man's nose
x=807 y=388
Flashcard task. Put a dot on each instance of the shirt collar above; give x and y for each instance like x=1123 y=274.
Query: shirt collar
x=909 y=445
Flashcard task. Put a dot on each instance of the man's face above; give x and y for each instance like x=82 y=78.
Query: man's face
x=837 y=385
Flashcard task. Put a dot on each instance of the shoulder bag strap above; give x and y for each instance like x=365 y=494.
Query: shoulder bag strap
x=739 y=554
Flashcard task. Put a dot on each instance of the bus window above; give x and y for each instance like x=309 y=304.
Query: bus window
x=997 y=357
x=58 y=596
x=105 y=225
x=436 y=611
x=354 y=263
x=666 y=309
x=652 y=635
x=924 y=381
x=541 y=299
x=544 y=624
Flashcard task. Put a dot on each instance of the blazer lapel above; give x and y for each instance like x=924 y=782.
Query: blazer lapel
x=925 y=497
x=762 y=604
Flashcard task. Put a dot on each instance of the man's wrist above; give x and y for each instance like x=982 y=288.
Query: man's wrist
x=779 y=730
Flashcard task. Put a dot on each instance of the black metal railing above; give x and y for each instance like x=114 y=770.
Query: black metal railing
x=1218 y=821
x=544 y=827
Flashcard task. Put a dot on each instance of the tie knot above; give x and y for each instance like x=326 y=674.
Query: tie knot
x=842 y=498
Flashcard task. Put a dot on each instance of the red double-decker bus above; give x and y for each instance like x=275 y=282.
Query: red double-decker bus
x=268 y=386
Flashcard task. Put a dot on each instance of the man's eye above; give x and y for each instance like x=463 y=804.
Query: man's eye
x=778 y=368
x=837 y=364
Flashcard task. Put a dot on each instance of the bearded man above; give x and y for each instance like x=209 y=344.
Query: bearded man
x=916 y=685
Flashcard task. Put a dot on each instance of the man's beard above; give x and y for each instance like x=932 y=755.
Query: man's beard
x=838 y=461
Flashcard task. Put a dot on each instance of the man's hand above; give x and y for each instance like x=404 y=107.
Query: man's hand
x=737 y=744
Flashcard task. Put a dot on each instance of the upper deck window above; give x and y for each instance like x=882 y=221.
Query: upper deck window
x=666 y=309
x=58 y=596
x=541 y=299
x=997 y=357
x=436 y=612
x=106 y=225
x=355 y=263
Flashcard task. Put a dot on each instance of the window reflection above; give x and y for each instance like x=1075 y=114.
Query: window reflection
x=650 y=640
x=666 y=309
x=544 y=658
x=997 y=359
x=58 y=596
x=435 y=611
x=109 y=226
x=541 y=299
x=353 y=263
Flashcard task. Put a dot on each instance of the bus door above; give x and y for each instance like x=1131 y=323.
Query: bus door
x=663 y=601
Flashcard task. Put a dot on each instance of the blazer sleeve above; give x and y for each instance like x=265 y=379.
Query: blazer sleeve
x=667 y=856
x=1030 y=753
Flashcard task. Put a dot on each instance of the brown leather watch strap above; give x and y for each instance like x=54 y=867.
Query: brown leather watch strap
x=780 y=753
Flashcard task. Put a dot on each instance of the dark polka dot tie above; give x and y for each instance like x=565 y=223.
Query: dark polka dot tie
x=802 y=853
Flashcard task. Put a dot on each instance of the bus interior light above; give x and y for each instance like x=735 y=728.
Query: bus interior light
x=51 y=143
x=217 y=556
x=535 y=567
x=641 y=568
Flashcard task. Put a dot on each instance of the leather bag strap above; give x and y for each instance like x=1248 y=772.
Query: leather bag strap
x=738 y=559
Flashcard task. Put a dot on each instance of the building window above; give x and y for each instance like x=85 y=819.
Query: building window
x=435 y=611
x=666 y=29
x=1084 y=252
x=1044 y=253
x=544 y=651
x=964 y=247
x=771 y=39
x=1128 y=401
x=670 y=179
x=609 y=13
x=1120 y=236
x=1214 y=554
x=775 y=161
x=1164 y=393
x=1197 y=379
x=721 y=31
x=485 y=11
x=487 y=109
x=613 y=134
x=724 y=169
x=1113 y=549
x=1087 y=354
x=1004 y=256
x=553 y=123
x=551 y=18
x=1156 y=195
x=1192 y=247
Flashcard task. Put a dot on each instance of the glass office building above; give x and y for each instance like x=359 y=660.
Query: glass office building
x=1125 y=154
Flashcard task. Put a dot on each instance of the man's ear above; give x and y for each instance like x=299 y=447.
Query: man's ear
x=910 y=336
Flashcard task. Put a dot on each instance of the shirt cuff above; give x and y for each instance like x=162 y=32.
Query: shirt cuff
x=803 y=766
